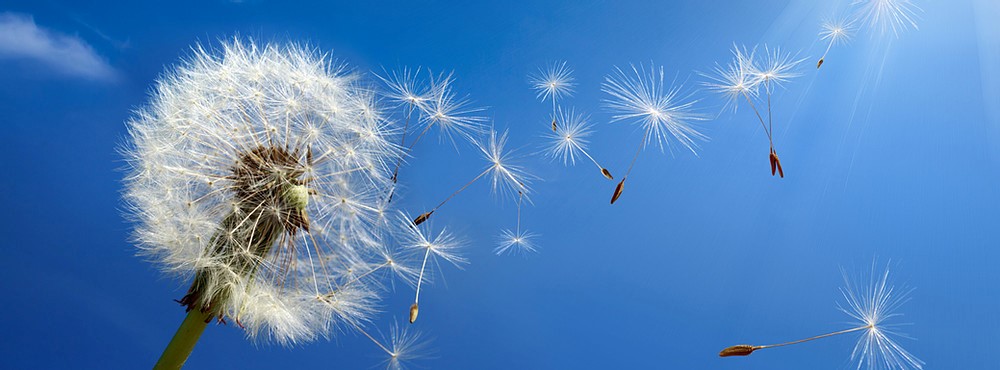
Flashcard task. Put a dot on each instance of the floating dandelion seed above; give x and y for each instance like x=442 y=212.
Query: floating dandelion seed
x=553 y=83
x=404 y=89
x=451 y=114
x=835 y=32
x=570 y=140
x=516 y=240
x=402 y=346
x=443 y=245
x=641 y=97
x=437 y=106
x=887 y=15
x=745 y=76
x=506 y=178
x=872 y=306
x=259 y=173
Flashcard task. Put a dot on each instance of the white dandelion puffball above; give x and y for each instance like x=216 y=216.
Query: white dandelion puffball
x=260 y=171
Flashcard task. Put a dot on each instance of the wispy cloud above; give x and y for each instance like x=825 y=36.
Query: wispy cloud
x=21 y=38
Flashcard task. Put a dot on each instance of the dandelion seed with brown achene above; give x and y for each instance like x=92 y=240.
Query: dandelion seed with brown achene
x=835 y=32
x=746 y=76
x=506 y=178
x=570 y=140
x=553 y=83
x=640 y=96
x=442 y=245
x=405 y=89
x=436 y=106
x=872 y=305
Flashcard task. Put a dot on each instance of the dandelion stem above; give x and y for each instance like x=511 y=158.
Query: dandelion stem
x=420 y=279
x=462 y=188
x=369 y=272
x=402 y=142
x=761 y=119
x=816 y=337
x=406 y=125
x=520 y=197
x=591 y=159
x=377 y=343
x=184 y=339
x=827 y=49
x=641 y=145
x=770 y=127
x=417 y=140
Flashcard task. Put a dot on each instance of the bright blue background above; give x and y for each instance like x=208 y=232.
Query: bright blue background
x=699 y=253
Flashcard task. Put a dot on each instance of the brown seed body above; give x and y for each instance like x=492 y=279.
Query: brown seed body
x=420 y=219
x=553 y=125
x=739 y=350
x=776 y=164
x=618 y=191
x=606 y=173
x=414 y=310
x=820 y=63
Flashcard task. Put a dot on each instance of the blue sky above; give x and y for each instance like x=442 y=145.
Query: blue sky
x=891 y=152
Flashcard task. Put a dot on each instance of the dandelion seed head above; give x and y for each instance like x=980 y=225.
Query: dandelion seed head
x=640 y=95
x=873 y=301
x=554 y=82
x=255 y=169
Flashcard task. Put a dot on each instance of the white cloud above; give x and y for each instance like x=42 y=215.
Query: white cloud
x=21 y=38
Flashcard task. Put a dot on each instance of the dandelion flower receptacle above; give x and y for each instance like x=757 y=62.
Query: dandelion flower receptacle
x=257 y=173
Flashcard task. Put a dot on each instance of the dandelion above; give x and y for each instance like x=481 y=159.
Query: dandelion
x=443 y=245
x=506 y=178
x=746 y=76
x=887 y=15
x=516 y=240
x=553 y=83
x=641 y=97
x=570 y=140
x=835 y=32
x=257 y=173
x=873 y=306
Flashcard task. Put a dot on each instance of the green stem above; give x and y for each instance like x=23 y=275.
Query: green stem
x=182 y=344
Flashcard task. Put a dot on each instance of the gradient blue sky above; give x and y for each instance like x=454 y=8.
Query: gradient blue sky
x=891 y=152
